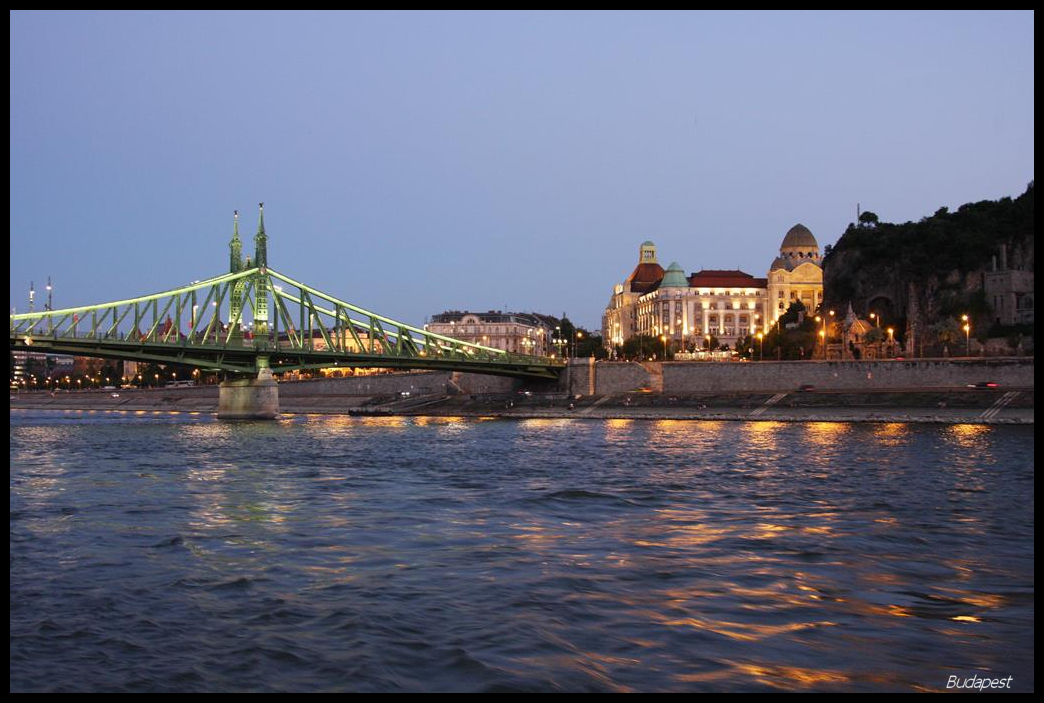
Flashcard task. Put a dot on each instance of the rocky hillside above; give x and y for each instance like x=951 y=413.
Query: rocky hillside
x=916 y=273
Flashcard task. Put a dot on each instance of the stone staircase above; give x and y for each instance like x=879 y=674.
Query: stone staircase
x=655 y=371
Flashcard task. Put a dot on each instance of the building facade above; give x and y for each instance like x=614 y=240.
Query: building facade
x=515 y=332
x=796 y=274
x=712 y=305
x=620 y=320
x=1009 y=292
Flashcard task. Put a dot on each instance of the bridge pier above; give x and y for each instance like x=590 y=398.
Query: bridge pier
x=249 y=398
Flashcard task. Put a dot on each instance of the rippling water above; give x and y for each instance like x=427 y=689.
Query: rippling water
x=159 y=552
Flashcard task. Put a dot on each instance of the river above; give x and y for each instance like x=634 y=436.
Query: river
x=173 y=552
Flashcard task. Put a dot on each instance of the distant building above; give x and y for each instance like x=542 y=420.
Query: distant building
x=855 y=342
x=1009 y=292
x=515 y=332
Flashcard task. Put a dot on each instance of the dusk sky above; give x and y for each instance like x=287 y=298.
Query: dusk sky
x=417 y=162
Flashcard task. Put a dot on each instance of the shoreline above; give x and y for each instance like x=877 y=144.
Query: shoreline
x=991 y=416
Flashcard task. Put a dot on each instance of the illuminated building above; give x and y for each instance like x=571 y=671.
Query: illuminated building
x=797 y=273
x=725 y=304
x=514 y=332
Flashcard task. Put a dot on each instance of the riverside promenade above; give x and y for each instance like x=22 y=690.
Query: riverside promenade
x=937 y=391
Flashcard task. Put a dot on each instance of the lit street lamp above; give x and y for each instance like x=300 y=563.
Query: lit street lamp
x=761 y=346
x=967 y=335
x=663 y=338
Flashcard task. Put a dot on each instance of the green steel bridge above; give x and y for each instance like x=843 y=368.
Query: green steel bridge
x=274 y=324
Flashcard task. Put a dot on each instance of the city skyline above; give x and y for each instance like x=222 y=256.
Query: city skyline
x=420 y=162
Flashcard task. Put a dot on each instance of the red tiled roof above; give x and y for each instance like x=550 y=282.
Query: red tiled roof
x=708 y=278
x=644 y=278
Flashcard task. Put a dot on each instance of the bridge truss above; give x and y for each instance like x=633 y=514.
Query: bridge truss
x=227 y=324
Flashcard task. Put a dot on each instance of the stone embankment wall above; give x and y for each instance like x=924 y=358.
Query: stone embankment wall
x=603 y=378
x=425 y=383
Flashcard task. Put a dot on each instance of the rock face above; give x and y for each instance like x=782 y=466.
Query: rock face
x=916 y=273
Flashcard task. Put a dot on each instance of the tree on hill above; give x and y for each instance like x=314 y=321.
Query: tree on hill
x=868 y=220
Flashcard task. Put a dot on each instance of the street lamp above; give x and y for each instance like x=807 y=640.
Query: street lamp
x=891 y=342
x=663 y=338
x=967 y=335
x=761 y=346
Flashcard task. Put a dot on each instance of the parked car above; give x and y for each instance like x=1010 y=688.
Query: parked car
x=806 y=387
x=984 y=384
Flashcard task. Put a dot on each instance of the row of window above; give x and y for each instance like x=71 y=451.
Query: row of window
x=478 y=329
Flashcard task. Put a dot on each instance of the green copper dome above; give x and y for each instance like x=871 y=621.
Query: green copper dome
x=675 y=277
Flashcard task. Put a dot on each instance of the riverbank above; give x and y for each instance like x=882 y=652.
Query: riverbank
x=951 y=406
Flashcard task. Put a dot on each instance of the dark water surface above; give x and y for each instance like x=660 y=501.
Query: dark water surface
x=156 y=552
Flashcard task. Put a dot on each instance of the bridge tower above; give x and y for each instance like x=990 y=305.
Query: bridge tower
x=235 y=265
x=261 y=290
x=250 y=398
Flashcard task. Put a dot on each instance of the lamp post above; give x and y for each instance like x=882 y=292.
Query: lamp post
x=891 y=342
x=822 y=333
x=761 y=346
x=967 y=335
x=663 y=338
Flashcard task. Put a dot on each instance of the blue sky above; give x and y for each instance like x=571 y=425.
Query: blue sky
x=417 y=162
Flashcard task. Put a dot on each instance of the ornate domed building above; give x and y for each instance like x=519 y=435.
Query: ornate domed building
x=796 y=274
x=728 y=305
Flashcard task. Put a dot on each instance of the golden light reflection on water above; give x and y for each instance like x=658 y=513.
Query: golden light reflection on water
x=827 y=435
x=761 y=436
x=891 y=434
x=390 y=422
x=619 y=431
x=536 y=423
x=672 y=436
x=788 y=676
x=208 y=431
x=967 y=436
x=534 y=535
x=745 y=631
x=324 y=423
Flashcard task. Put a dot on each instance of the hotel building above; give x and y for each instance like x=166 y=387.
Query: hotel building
x=725 y=304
